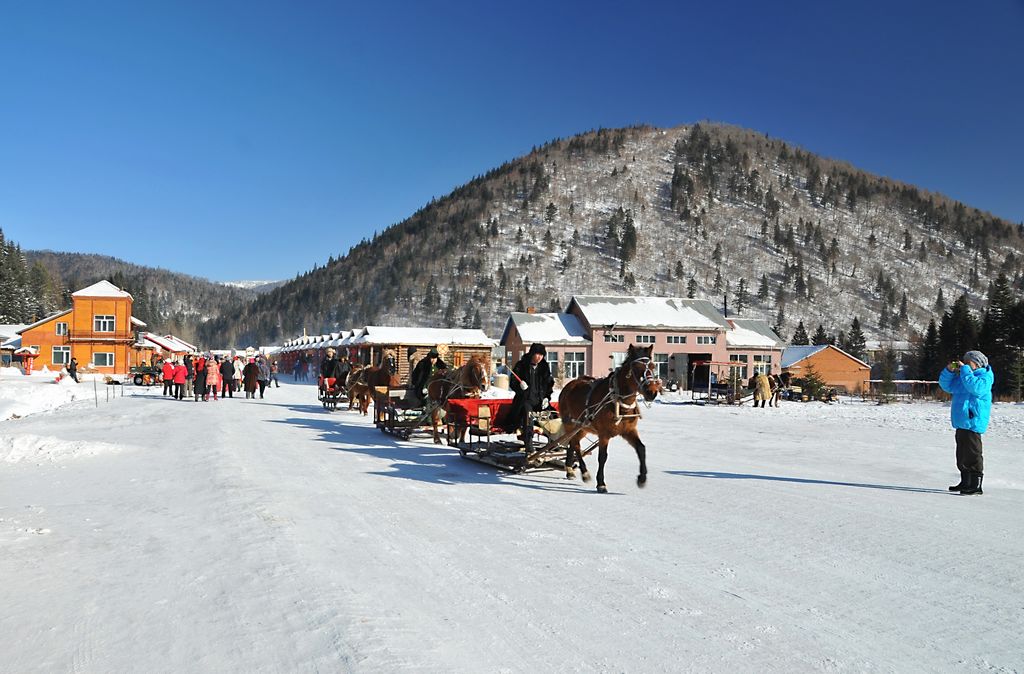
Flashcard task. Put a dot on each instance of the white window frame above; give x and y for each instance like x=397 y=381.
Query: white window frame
x=100 y=321
x=660 y=360
x=552 y=358
x=676 y=339
x=741 y=364
x=110 y=358
x=575 y=364
x=763 y=364
x=64 y=351
x=706 y=339
x=646 y=339
x=617 y=339
x=62 y=328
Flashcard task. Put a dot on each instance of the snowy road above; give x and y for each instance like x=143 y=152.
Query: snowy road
x=250 y=536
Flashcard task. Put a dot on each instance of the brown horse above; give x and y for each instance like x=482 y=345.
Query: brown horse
x=464 y=382
x=607 y=408
x=357 y=388
x=384 y=376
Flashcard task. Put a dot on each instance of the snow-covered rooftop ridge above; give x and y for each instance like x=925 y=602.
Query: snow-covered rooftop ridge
x=169 y=343
x=380 y=334
x=44 y=320
x=547 y=328
x=9 y=330
x=102 y=288
x=650 y=312
x=794 y=354
x=754 y=332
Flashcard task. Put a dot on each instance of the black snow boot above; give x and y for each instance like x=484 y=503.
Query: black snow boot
x=973 y=485
x=963 y=482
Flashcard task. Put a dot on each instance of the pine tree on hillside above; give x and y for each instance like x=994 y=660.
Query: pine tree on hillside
x=742 y=300
x=691 y=288
x=763 y=291
x=995 y=337
x=820 y=336
x=958 y=331
x=856 y=343
x=800 y=336
x=929 y=360
x=813 y=385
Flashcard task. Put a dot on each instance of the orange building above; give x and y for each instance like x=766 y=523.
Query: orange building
x=835 y=366
x=98 y=330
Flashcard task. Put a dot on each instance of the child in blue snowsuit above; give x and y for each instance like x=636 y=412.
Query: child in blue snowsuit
x=970 y=383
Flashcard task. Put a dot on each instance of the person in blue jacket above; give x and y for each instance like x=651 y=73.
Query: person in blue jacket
x=970 y=383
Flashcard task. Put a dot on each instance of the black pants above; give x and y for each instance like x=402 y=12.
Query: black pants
x=226 y=389
x=263 y=386
x=526 y=425
x=968 y=451
x=168 y=386
x=179 y=391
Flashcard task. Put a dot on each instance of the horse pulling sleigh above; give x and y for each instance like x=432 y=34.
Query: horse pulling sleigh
x=330 y=392
x=605 y=408
x=402 y=412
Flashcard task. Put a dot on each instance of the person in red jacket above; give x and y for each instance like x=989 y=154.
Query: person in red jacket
x=168 y=373
x=180 y=374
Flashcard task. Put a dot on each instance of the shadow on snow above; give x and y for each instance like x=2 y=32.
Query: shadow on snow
x=800 y=480
x=437 y=464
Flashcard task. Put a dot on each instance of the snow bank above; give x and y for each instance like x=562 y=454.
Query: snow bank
x=39 y=449
x=21 y=395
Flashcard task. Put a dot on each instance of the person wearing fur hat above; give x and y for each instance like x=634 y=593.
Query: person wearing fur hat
x=421 y=374
x=533 y=385
x=970 y=383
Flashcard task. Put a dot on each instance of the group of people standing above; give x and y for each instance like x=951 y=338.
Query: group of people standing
x=767 y=388
x=206 y=376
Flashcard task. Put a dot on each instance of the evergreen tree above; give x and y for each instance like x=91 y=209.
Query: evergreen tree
x=762 y=290
x=550 y=212
x=856 y=343
x=800 y=336
x=929 y=361
x=629 y=240
x=742 y=300
x=995 y=337
x=958 y=331
x=813 y=385
x=903 y=307
x=940 y=303
x=717 y=287
x=691 y=288
x=780 y=321
x=820 y=336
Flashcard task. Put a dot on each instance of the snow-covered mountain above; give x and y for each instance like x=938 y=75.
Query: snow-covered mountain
x=705 y=210
x=256 y=286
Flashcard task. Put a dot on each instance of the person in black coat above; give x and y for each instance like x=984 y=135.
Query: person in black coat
x=422 y=373
x=73 y=369
x=532 y=384
x=227 y=384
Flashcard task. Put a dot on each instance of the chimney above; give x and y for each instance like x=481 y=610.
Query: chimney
x=531 y=310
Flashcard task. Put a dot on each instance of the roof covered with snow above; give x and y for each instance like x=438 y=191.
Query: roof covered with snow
x=168 y=343
x=101 y=289
x=8 y=330
x=380 y=334
x=752 y=332
x=44 y=320
x=546 y=328
x=794 y=354
x=650 y=312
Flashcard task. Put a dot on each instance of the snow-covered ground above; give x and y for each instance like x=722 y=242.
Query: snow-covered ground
x=148 y=535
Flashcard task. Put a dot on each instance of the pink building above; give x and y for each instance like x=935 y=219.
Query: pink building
x=692 y=340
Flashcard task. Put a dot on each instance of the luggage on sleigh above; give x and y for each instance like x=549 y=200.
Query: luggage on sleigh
x=330 y=392
x=394 y=413
x=483 y=430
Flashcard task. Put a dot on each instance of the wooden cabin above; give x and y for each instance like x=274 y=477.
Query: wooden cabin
x=835 y=366
x=98 y=330
x=409 y=345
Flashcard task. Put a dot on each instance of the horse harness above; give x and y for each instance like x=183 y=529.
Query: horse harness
x=622 y=402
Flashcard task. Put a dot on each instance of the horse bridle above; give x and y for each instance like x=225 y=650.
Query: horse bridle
x=650 y=371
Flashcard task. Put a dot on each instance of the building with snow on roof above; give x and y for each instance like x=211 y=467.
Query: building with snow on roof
x=98 y=330
x=691 y=338
x=835 y=366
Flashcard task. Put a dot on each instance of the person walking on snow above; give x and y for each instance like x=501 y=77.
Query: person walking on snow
x=250 y=374
x=970 y=383
x=236 y=378
x=73 y=370
x=168 y=375
x=762 y=390
x=212 y=378
x=199 y=378
x=273 y=374
x=227 y=372
x=180 y=374
x=263 y=377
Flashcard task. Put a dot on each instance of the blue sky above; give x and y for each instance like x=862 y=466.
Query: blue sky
x=253 y=139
